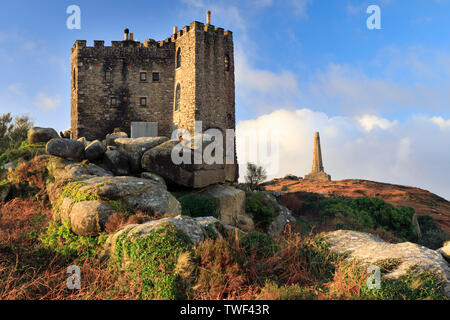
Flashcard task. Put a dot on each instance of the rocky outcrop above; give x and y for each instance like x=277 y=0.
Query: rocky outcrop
x=284 y=217
x=41 y=135
x=116 y=162
x=231 y=203
x=138 y=193
x=110 y=138
x=88 y=218
x=64 y=148
x=61 y=172
x=153 y=176
x=198 y=230
x=84 y=193
x=159 y=160
x=369 y=249
x=95 y=150
x=278 y=224
x=65 y=170
x=445 y=251
x=135 y=148
x=84 y=141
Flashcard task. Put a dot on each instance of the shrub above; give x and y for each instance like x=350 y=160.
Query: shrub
x=432 y=236
x=221 y=271
x=154 y=260
x=273 y=291
x=24 y=152
x=195 y=205
x=369 y=214
x=263 y=209
x=261 y=244
x=32 y=174
x=13 y=131
x=255 y=175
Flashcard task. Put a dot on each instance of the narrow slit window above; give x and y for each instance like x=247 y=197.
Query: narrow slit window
x=178 y=62
x=177 y=97
x=108 y=75
x=113 y=101
x=227 y=63
x=74 y=78
x=143 y=101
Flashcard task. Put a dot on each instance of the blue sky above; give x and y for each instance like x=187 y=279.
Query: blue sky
x=378 y=88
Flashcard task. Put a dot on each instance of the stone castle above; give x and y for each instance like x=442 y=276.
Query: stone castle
x=154 y=88
x=161 y=85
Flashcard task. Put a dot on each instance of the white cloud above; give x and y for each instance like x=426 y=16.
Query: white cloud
x=46 y=102
x=16 y=88
x=441 y=122
x=371 y=122
x=265 y=89
x=411 y=152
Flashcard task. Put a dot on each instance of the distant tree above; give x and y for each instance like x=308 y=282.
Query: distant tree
x=255 y=175
x=13 y=131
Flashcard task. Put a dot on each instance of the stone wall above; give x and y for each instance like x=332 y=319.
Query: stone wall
x=93 y=116
x=205 y=76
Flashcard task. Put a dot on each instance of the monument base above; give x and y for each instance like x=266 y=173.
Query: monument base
x=318 y=176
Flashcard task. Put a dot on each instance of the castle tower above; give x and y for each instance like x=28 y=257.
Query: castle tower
x=317 y=173
x=204 y=80
x=155 y=86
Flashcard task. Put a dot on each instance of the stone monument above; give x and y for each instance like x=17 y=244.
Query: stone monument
x=317 y=173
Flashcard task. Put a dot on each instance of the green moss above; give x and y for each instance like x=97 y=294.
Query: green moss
x=416 y=285
x=121 y=206
x=61 y=239
x=388 y=265
x=153 y=259
x=72 y=191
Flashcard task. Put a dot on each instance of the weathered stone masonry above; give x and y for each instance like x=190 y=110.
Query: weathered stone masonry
x=114 y=86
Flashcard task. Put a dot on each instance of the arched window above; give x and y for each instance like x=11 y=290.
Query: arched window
x=177 y=97
x=178 y=58
x=227 y=62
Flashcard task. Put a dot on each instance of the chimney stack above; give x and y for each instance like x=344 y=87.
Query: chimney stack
x=175 y=30
x=208 y=17
x=131 y=37
x=126 y=31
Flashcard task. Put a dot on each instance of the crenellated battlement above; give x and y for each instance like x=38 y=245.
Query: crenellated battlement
x=194 y=26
